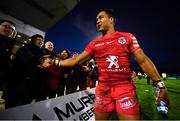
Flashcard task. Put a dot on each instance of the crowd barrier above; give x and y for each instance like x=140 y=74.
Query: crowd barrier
x=75 y=106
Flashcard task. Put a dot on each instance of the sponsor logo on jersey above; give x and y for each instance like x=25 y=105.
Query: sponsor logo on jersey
x=109 y=42
x=122 y=40
x=114 y=70
x=99 y=44
x=103 y=43
x=127 y=102
x=99 y=102
x=113 y=61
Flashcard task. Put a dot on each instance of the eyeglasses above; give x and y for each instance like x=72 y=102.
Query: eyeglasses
x=8 y=26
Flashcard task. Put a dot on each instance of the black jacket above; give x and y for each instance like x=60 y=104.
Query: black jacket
x=25 y=78
x=6 y=46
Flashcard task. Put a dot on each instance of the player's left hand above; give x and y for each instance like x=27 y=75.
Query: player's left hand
x=163 y=95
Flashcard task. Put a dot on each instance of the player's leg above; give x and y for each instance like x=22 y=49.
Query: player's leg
x=129 y=113
x=128 y=117
x=104 y=104
x=102 y=115
x=127 y=105
x=128 y=109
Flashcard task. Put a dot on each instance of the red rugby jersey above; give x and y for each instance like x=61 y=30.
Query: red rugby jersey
x=112 y=53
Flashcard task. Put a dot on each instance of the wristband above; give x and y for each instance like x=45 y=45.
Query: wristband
x=160 y=84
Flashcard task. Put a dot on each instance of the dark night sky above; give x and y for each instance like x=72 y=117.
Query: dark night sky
x=154 y=23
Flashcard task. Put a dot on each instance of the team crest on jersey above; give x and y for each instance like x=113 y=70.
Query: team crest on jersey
x=122 y=40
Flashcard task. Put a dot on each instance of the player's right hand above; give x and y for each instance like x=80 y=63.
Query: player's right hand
x=45 y=61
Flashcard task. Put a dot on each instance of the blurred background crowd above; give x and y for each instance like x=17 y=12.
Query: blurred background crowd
x=23 y=79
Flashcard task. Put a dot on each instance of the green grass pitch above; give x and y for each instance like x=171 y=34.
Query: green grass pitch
x=146 y=100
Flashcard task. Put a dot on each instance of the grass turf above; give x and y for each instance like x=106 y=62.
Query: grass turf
x=146 y=99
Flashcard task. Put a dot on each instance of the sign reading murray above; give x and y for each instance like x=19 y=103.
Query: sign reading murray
x=75 y=106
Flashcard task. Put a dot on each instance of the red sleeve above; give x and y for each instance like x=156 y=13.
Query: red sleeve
x=90 y=48
x=133 y=43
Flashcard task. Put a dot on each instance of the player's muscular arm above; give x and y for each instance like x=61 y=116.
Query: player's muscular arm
x=149 y=68
x=84 y=56
x=146 y=64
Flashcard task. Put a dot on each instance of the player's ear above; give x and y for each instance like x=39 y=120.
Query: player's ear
x=112 y=20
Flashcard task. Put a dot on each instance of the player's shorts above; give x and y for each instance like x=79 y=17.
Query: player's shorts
x=120 y=98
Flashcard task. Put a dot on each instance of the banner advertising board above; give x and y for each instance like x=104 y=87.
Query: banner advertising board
x=75 y=106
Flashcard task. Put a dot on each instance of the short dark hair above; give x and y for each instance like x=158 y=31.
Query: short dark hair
x=9 y=21
x=36 y=36
x=68 y=52
x=109 y=12
x=33 y=38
